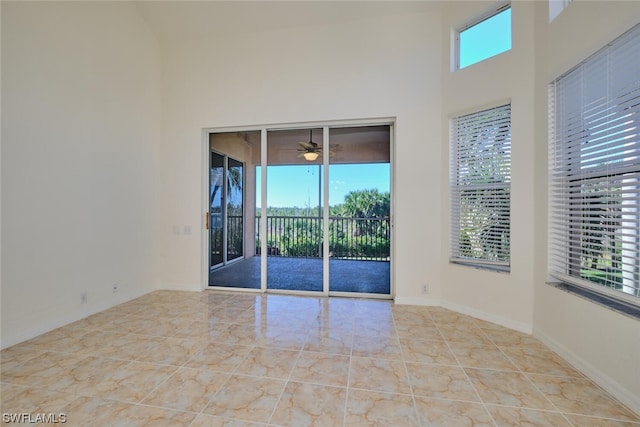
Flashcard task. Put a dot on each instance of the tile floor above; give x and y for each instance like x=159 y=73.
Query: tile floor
x=222 y=359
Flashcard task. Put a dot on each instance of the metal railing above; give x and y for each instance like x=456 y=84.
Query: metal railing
x=349 y=238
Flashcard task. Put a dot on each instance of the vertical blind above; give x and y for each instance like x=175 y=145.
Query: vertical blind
x=481 y=187
x=594 y=118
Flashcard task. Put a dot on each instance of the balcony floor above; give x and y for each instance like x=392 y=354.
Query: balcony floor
x=305 y=274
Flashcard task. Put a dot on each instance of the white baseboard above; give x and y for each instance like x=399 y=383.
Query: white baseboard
x=432 y=302
x=489 y=317
x=436 y=302
x=190 y=287
x=607 y=383
x=88 y=310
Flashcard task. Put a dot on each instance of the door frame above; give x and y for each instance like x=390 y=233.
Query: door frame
x=326 y=125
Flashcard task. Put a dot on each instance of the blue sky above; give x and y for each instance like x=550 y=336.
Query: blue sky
x=291 y=186
x=484 y=40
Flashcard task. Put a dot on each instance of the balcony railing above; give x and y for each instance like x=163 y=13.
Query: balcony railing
x=349 y=238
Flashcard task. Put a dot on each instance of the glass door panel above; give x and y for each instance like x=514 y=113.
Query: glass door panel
x=234 y=158
x=216 y=209
x=294 y=210
x=359 y=210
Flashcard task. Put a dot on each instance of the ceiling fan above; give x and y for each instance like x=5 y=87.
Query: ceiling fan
x=309 y=150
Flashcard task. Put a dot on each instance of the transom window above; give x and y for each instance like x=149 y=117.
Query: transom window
x=484 y=37
x=594 y=239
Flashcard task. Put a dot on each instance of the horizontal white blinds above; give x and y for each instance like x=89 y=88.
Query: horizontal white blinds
x=481 y=186
x=595 y=171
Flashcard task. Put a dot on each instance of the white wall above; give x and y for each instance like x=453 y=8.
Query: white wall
x=602 y=343
x=505 y=298
x=81 y=122
x=377 y=67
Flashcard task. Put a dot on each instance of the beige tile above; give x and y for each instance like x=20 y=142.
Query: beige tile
x=322 y=368
x=93 y=411
x=16 y=355
x=537 y=360
x=440 y=381
x=42 y=342
x=580 y=396
x=508 y=337
x=506 y=417
x=219 y=357
x=305 y=404
x=507 y=388
x=133 y=382
x=383 y=347
x=246 y=398
x=451 y=413
x=488 y=326
x=172 y=351
x=230 y=333
x=443 y=316
x=379 y=375
x=268 y=362
x=282 y=338
x=187 y=389
x=18 y=399
x=130 y=347
x=64 y=341
x=83 y=378
x=427 y=351
x=586 y=421
x=43 y=370
x=331 y=341
x=231 y=315
x=481 y=356
x=195 y=329
x=424 y=330
x=411 y=314
x=466 y=333
x=374 y=328
x=204 y=420
x=371 y=409
x=98 y=370
x=372 y=310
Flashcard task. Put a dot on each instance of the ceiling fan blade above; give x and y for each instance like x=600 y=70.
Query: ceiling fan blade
x=308 y=145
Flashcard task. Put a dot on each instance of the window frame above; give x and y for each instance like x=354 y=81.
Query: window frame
x=456 y=189
x=495 y=10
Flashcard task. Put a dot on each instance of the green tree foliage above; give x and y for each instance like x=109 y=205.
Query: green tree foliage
x=358 y=228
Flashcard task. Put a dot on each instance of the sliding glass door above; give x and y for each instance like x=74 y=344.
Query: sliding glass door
x=294 y=211
x=360 y=210
x=302 y=210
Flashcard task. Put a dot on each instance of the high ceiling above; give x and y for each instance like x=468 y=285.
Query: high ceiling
x=173 y=21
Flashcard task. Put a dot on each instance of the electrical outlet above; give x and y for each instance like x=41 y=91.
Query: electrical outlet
x=425 y=288
x=115 y=288
x=83 y=298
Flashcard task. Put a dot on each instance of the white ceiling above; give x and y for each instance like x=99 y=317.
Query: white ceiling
x=181 y=20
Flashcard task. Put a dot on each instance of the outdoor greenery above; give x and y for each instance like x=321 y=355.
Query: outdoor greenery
x=358 y=228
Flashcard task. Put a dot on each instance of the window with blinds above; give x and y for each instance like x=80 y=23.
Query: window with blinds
x=481 y=188
x=594 y=116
